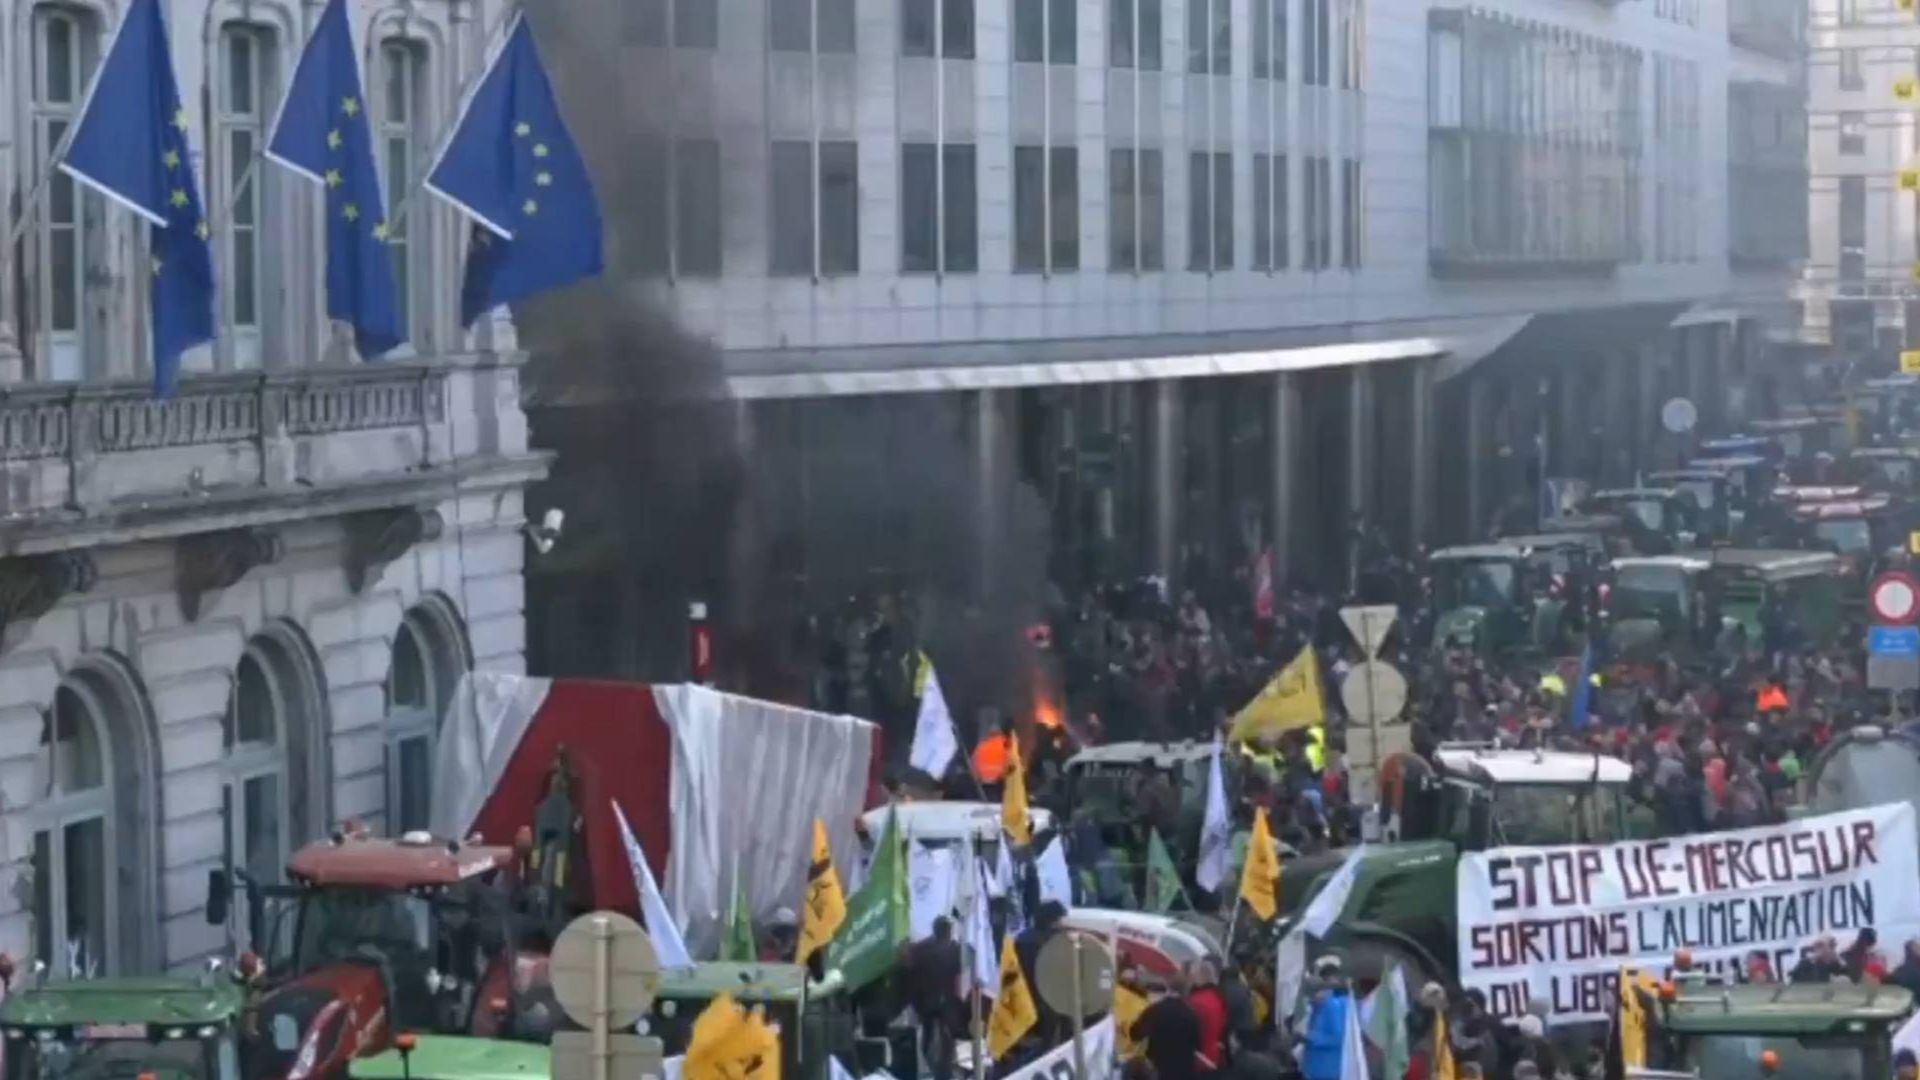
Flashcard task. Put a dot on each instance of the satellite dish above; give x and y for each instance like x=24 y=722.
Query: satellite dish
x=631 y=975
x=1678 y=415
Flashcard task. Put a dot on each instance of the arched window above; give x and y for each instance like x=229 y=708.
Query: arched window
x=427 y=661
x=256 y=783
x=73 y=891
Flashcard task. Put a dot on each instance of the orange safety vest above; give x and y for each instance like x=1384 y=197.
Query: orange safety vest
x=990 y=759
x=1771 y=699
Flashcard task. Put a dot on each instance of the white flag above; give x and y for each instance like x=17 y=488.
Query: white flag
x=1289 y=972
x=1331 y=900
x=1353 y=1049
x=1000 y=875
x=667 y=942
x=986 y=952
x=933 y=887
x=1215 y=830
x=933 y=742
x=1056 y=881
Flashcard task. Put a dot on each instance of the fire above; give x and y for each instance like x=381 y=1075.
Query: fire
x=1047 y=715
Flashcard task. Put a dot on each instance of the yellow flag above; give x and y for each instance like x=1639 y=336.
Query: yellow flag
x=1292 y=700
x=1013 y=1011
x=1634 y=1022
x=1260 y=879
x=1013 y=797
x=1128 y=1004
x=826 y=904
x=730 y=1043
x=1443 y=1065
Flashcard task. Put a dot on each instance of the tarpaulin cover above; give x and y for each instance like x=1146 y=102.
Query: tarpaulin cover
x=749 y=777
x=709 y=781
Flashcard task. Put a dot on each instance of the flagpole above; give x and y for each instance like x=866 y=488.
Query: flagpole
x=979 y=1045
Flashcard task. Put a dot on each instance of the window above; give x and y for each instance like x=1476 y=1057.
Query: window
x=413 y=720
x=1352 y=213
x=1319 y=212
x=1853 y=133
x=1210 y=37
x=939 y=208
x=952 y=20
x=255 y=794
x=69 y=241
x=1852 y=71
x=1123 y=17
x=1352 y=41
x=1853 y=228
x=1210 y=211
x=402 y=110
x=1051 y=22
x=696 y=24
x=676 y=186
x=1317 y=19
x=795 y=209
x=73 y=880
x=1046 y=208
x=1269 y=32
x=1136 y=206
x=1269 y=211
x=689 y=24
x=833 y=21
x=241 y=103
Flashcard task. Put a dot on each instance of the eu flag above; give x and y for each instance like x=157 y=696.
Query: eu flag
x=323 y=135
x=512 y=167
x=131 y=146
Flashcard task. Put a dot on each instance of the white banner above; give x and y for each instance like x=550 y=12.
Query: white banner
x=1556 y=924
x=1096 y=1048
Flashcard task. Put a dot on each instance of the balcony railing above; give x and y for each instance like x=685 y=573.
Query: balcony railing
x=40 y=420
x=85 y=447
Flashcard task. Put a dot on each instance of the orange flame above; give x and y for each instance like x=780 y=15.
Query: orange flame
x=1047 y=714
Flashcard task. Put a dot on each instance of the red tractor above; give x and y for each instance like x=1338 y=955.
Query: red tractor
x=374 y=937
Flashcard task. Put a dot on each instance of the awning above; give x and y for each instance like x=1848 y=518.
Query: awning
x=1070 y=372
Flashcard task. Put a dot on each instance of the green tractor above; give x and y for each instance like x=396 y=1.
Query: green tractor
x=1834 y=1031
x=1467 y=797
x=817 y=1019
x=167 y=1028
x=1491 y=598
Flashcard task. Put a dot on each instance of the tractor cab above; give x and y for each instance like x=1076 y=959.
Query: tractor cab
x=1103 y=783
x=1750 y=476
x=1798 y=588
x=1801 y=438
x=1481 y=595
x=1662 y=604
x=403 y=931
x=106 y=1029
x=1716 y=497
x=1497 y=797
x=817 y=1020
x=1835 y=1031
x=1892 y=469
x=1857 y=529
x=1660 y=520
x=1888 y=407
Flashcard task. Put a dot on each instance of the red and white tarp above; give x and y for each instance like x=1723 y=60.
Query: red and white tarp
x=710 y=783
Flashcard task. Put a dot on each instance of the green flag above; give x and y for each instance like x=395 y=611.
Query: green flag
x=1387 y=1022
x=739 y=945
x=876 y=924
x=1164 y=891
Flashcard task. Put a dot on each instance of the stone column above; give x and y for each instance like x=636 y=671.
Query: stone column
x=1166 y=458
x=1286 y=440
x=990 y=478
x=1421 y=475
x=1479 y=454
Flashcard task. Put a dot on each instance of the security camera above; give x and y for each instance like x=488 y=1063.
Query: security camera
x=547 y=533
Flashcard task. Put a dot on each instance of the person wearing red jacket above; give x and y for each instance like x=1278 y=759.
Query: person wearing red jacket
x=1211 y=1006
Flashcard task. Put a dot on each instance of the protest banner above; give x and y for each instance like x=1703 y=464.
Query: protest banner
x=1556 y=924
